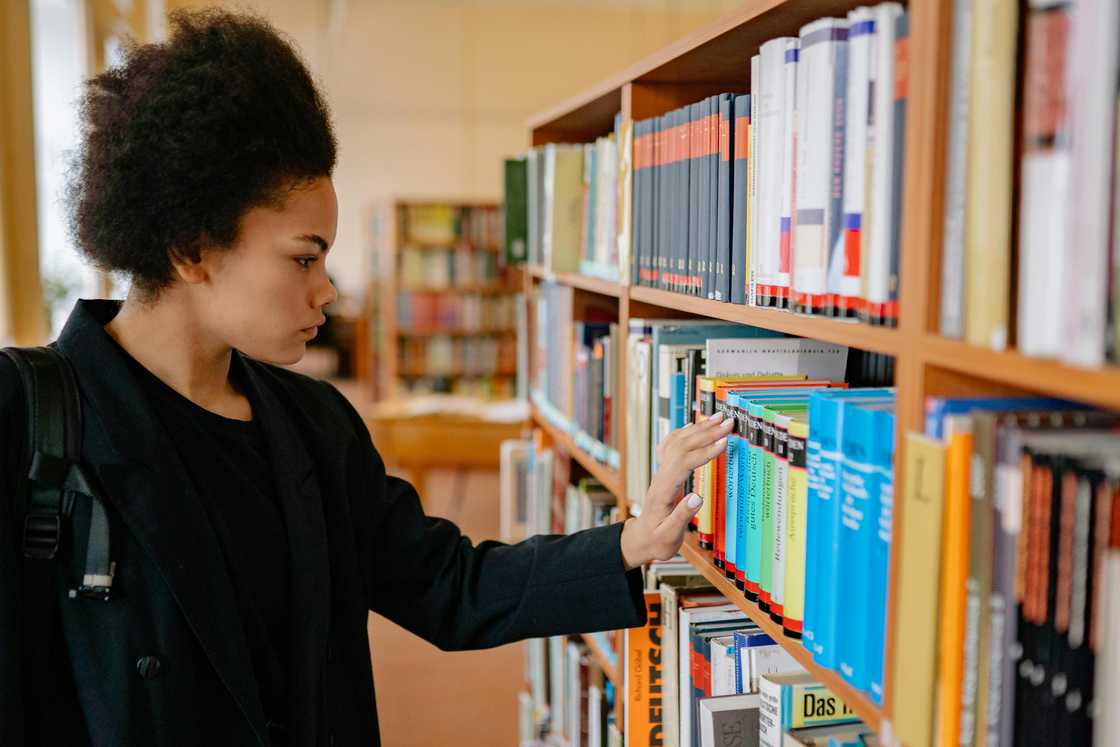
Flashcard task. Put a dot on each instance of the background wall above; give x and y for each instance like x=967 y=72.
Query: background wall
x=429 y=95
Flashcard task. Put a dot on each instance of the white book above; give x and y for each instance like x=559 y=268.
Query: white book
x=788 y=246
x=861 y=39
x=723 y=665
x=752 y=181
x=525 y=720
x=1106 y=727
x=881 y=148
x=729 y=720
x=549 y=195
x=537 y=664
x=817 y=227
x=769 y=155
x=772 y=659
x=776 y=357
x=557 y=675
x=1092 y=90
x=638 y=425
x=513 y=498
x=594 y=716
x=572 y=696
x=956 y=181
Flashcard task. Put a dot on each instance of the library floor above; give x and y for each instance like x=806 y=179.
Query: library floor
x=430 y=697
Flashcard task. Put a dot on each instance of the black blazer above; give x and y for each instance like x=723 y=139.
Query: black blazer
x=358 y=539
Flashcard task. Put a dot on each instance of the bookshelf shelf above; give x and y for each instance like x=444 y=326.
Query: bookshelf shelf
x=600 y=657
x=451 y=332
x=611 y=479
x=856 y=700
x=1096 y=386
x=575 y=280
x=854 y=334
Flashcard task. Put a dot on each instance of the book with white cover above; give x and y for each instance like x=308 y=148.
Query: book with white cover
x=771 y=101
x=956 y=171
x=776 y=357
x=753 y=161
x=789 y=171
x=818 y=235
x=877 y=291
x=861 y=40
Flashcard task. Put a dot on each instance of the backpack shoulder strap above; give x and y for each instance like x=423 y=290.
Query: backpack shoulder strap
x=52 y=436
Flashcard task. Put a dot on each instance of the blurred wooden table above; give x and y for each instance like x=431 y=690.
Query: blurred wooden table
x=422 y=442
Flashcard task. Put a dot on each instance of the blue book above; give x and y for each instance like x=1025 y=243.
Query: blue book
x=938 y=407
x=822 y=458
x=859 y=513
x=686 y=332
x=678 y=408
x=882 y=457
x=735 y=445
x=744 y=640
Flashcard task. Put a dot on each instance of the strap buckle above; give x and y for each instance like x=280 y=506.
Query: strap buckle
x=42 y=535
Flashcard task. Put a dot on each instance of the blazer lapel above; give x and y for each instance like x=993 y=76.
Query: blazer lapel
x=301 y=501
x=145 y=481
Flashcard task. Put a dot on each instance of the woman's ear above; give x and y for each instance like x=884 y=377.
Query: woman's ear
x=192 y=271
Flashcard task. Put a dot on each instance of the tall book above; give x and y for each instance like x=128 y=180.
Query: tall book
x=516 y=209
x=644 y=683
x=739 y=140
x=988 y=216
x=772 y=111
x=915 y=607
x=754 y=159
x=956 y=170
x=787 y=246
x=1045 y=172
x=857 y=113
x=821 y=88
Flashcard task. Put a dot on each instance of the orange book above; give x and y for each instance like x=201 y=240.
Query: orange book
x=643 y=677
x=954 y=574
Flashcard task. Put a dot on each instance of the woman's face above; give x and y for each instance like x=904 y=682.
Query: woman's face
x=265 y=295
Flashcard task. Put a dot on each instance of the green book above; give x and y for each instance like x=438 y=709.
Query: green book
x=516 y=210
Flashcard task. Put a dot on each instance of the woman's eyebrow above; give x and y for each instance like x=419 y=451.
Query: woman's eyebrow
x=316 y=239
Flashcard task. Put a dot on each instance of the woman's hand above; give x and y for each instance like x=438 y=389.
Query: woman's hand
x=657 y=534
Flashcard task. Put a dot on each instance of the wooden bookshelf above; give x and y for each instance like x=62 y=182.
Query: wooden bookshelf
x=716 y=59
x=856 y=700
x=601 y=660
x=611 y=478
x=392 y=335
x=584 y=282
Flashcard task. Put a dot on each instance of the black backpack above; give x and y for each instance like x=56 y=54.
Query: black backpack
x=52 y=479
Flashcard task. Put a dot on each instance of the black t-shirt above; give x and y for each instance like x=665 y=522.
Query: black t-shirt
x=229 y=463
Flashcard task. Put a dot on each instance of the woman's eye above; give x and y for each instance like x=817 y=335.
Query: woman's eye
x=306 y=262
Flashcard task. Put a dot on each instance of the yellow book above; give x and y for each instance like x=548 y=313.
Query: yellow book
x=954 y=573
x=987 y=244
x=917 y=519
x=797 y=500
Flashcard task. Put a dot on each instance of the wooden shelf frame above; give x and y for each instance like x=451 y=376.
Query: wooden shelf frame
x=716 y=59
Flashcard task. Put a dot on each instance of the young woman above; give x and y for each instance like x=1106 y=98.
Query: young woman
x=253 y=525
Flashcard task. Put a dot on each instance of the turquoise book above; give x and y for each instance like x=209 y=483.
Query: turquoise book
x=882 y=457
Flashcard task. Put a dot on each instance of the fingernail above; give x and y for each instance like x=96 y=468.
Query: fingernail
x=694 y=501
x=717 y=417
x=722 y=443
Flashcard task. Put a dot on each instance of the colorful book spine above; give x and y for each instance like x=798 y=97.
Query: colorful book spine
x=789 y=172
x=793 y=606
x=882 y=457
x=740 y=139
x=861 y=41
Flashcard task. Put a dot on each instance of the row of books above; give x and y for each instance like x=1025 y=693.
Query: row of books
x=441 y=269
x=1008 y=594
x=789 y=197
x=565 y=202
x=573 y=368
x=1056 y=93
x=480 y=227
x=803 y=491
x=458 y=356
x=664 y=357
x=570 y=701
x=702 y=674
x=435 y=312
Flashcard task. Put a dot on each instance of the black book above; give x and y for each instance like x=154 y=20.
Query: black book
x=740 y=111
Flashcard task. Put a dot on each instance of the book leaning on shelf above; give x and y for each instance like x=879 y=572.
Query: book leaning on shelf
x=762 y=198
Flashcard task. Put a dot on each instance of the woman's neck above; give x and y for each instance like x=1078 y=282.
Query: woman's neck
x=167 y=339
